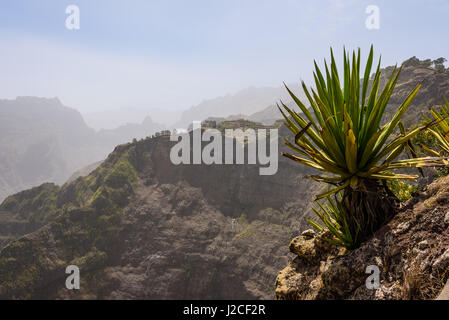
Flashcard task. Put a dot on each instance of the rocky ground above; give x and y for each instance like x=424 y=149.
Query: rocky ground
x=411 y=251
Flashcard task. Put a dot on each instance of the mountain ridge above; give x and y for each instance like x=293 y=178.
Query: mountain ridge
x=247 y=102
x=140 y=227
x=139 y=216
x=44 y=141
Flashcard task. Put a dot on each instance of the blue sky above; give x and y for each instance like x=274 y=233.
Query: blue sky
x=173 y=54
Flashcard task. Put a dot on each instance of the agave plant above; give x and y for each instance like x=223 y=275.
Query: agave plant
x=344 y=135
x=334 y=217
x=441 y=130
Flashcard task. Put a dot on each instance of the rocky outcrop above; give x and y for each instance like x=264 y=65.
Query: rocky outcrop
x=411 y=252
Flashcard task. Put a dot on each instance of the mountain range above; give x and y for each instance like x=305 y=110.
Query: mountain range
x=254 y=103
x=140 y=227
x=44 y=141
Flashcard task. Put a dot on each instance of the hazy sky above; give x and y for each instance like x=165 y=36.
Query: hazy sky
x=173 y=54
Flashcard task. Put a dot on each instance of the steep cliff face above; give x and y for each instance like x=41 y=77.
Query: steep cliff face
x=434 y=87
x=141 y=227
x=411 y=252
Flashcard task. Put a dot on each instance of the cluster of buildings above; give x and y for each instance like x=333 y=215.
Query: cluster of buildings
x=162 y=133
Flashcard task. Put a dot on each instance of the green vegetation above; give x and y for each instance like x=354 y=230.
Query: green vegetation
x=246 y=233
x=332 y=214
x=187 y=271
x=441 y=130
x=403 y=191
x=435 y=140
x=243 y=219
x=91 y=259
x=343 y=135
x=37 y=205
x=426 y=139
x=82 y=217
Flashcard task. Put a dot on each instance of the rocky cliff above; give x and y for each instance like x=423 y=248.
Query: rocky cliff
x=139 y=227
x=411 y=252
x=434 y=80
